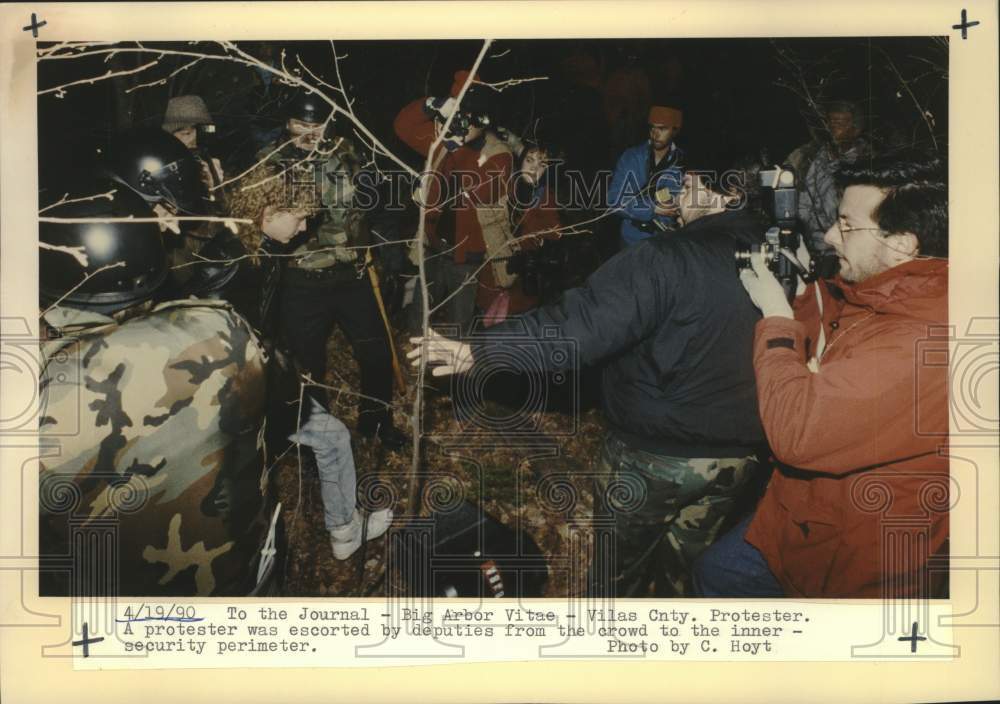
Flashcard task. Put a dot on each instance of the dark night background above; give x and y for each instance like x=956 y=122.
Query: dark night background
x=737 y=94
x=591 y=107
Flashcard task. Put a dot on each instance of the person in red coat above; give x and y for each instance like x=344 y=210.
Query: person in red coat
x=852 y=382
x=534 y=218
x=464 y=195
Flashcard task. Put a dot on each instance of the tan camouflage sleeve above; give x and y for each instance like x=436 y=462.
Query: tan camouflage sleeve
x=251 y=195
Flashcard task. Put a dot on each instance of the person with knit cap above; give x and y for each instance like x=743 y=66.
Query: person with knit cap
x=466 y=219
x=648 y=178
x=184 y=115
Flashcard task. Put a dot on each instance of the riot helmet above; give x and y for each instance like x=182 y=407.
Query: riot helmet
x=73 y=251
x=158 y=167
x=307 y=107
x=216 y=266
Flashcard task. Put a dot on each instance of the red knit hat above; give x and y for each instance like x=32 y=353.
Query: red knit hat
x=663 y=115
x=460 y=78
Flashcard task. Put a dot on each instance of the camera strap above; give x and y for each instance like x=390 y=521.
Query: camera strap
x=813 y=363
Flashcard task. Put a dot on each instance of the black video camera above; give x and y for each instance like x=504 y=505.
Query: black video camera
x=541 y=270
x=782 y=239
x=463 y=122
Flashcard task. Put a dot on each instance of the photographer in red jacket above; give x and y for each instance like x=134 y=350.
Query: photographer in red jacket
x=854 y=410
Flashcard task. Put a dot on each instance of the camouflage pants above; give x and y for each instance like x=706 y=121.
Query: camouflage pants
x=655 y=514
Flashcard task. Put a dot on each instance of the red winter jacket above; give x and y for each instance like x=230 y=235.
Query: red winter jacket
x=863 y=499
x=459 y=219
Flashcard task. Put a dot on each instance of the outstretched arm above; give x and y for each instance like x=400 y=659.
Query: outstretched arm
x=621 y=303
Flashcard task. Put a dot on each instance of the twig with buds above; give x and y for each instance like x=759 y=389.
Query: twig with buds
x=162 y=81
x=78 y=253
x=66 y=199
x=501 y=86
x=60 y=90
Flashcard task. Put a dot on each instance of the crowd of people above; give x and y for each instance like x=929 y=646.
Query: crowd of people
x=201 y=295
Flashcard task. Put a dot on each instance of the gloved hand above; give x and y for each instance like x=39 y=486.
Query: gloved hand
x=451 y=356
x=764 y=288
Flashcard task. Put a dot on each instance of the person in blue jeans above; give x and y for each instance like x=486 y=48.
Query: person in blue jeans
x=734 y=561
x=648 y=179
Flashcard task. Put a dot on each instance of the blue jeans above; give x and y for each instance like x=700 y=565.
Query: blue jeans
x=732 y=567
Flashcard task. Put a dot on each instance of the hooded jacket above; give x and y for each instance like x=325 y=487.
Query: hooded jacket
x=673 y=327
x=860 y=440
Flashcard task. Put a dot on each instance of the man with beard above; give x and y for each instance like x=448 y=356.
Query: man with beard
x=647 y=178
x=852 y=381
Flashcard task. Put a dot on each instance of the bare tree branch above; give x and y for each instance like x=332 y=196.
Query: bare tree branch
x=85 y=279
x=166 y=78
x=78 y=253
x=158 y=220
x=501 y=86
x=413 y=496
x=60 y=91
x=925 y=114
x=237 y=55
x=66 y=199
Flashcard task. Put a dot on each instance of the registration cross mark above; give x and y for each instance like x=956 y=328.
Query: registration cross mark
x=963 y=25
x=85 y=642
x=36 y=25
x=913 y=638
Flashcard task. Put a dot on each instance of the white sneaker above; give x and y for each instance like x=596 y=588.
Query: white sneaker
x=346 y=539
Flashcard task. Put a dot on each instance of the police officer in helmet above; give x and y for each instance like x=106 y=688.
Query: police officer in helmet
x=155 y=408
x=203 y=256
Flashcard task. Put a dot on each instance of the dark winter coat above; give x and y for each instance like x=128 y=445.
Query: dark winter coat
x=673 y=327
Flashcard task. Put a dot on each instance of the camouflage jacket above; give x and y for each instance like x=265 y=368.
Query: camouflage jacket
x=152 y=427
x=818 y=193
x=326 y=183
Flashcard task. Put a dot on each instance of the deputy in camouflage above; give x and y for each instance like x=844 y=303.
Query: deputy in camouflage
x=151 y=415
x=664 y=512
x=157 y=421
x=303 y=200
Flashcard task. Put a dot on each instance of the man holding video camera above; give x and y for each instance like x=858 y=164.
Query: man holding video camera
x=464 y=194
x=853 y=406
x=186 y=116
x=673 y=328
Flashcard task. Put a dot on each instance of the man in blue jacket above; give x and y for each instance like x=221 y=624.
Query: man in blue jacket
x=648 y=178
x=673 y=328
